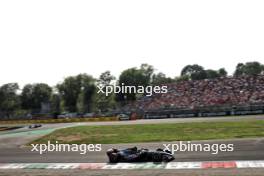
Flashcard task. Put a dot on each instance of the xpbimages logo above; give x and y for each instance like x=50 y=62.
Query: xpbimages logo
x=148 y=90
x=57 y=147
x=188 y=146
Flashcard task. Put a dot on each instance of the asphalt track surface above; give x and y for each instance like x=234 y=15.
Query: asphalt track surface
x=12 y=150
x=244 y=149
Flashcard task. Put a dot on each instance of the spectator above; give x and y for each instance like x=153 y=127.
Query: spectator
x=231 y=91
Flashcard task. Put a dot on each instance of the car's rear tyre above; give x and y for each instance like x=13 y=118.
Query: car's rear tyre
x=114 y=158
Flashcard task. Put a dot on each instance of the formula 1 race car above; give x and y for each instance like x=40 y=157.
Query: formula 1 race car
x=34 y=126
x=135 y=155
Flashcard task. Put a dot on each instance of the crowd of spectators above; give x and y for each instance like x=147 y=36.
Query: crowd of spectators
x=231 y=91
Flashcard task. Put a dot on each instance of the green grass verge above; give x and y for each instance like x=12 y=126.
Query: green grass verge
x=156 y=132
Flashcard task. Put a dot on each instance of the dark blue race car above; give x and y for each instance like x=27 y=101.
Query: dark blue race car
x=135 y=155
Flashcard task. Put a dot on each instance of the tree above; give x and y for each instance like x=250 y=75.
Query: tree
x=142 y=76
x=77 y=91
x=27 y=97
x=181 y=78
x=130 y=77
x=105 y=78
x=249 y=68
x=69 y=91
x=211 y=74
x=194 y=72
x=103 y=102
x=222 y=72
x=9 y=100
x=134 y=77
x=147 y=73
x=160 y=78
x=34 y=95
x=87 y=90
x=55 y=104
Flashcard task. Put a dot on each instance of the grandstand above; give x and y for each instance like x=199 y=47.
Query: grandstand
x=221 y=96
